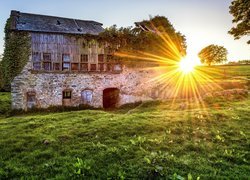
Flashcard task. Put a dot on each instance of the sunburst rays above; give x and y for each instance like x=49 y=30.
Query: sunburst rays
x=187 y=81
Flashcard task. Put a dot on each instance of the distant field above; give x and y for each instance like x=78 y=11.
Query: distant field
x=226 y=71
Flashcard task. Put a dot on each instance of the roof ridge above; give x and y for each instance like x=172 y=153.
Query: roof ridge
x=91 y=21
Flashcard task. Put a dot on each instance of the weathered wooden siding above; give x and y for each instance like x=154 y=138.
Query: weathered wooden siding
x=58 y=44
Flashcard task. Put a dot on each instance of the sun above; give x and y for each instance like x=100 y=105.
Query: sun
x=187 y=65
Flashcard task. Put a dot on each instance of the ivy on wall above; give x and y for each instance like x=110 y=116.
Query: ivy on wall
x=16 y=54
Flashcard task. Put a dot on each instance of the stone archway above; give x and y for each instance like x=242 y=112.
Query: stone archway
x=110 y=97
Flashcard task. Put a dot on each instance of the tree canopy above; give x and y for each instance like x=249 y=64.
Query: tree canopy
x=213 y=54
x=155 y=36
x=240 y=9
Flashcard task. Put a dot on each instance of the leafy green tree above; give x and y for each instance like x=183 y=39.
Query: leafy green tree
x=167 y=37
x=213 y=54
x=240 y=9
x=156 y=36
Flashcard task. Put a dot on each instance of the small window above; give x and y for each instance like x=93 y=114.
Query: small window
x=84 y=58
x=67 y=94
x=36 y=56
x=66 y=66
x=56 y=66
x=84 y=66
x=92 y=67
x=47 y=66
x=37 y=66
x=86 y=96
x=31 y=99
x=46 y=56
x=66 y=57
x=101 y=67
x=74 y=66
x=100 y=58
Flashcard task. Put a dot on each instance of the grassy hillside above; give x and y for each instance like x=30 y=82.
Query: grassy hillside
x=154 y=140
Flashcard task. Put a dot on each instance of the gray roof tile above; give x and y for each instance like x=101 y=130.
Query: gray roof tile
x=52 y=24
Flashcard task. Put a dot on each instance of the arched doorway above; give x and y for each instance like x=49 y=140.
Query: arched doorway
x=110 y=97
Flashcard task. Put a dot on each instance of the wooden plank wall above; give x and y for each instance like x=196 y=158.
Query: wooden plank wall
x=58 y=44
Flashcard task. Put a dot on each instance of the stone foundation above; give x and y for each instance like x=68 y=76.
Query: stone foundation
x=133 y=84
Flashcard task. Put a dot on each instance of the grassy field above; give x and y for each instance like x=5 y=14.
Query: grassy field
x=226 y=71
x=155 y=140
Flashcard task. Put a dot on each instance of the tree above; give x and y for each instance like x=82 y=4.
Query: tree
x=240 y=9
x=213 y=54
x=155 y=36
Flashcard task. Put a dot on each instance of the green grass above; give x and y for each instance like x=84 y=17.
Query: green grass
x=155 y=140
x=226 y=71
x=4 y=102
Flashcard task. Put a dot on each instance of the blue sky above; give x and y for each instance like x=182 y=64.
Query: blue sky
x=202 y=22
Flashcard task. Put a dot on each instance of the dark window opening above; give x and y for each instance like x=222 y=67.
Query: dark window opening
x=47 y=66
x=84 y=67
x=100 y=58
x=36 y=56
x=110 y=97
x=92 y=67
x=46 y=56
x=66 y=66
x=74 y=66
x=37 y=66
x=101 y=66
x=67 y=94
x=56 y=66
x=84 y=58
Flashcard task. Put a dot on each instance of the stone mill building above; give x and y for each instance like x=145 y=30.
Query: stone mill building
x=69 y=67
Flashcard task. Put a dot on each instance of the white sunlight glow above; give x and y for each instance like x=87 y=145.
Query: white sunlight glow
x=187 y=64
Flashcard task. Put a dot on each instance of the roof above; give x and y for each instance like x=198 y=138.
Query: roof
x=52 y=24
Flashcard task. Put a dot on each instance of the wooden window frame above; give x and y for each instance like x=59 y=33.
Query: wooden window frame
x=95 y=69
x=73 y=65
x=83 y=69
x=85 y=100
x=54 y=65
x=84 y=58
x=65 y=94
x=66 y=62
x=47 y=59
x=50 y=66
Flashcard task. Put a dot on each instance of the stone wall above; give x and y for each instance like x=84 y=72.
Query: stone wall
x=134 y=85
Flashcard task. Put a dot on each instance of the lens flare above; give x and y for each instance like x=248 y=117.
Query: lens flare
x=183 y=77
x=187 y=64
